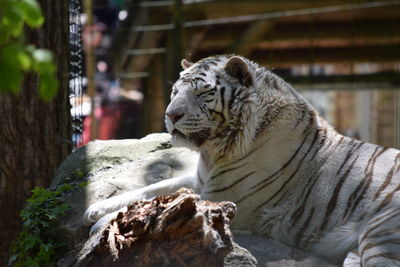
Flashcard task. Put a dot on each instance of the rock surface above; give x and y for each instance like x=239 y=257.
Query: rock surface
x=117 y=166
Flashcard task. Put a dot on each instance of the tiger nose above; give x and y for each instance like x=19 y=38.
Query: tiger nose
x=174 y=117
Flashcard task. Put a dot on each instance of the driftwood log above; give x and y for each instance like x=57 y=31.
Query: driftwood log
x=174 y=230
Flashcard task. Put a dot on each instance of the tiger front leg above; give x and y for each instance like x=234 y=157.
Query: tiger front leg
x=379 y=244
x=352 y=259
x=101 y=209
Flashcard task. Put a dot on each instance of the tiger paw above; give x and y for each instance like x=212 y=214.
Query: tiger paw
x=94 y=213
x=102 y=222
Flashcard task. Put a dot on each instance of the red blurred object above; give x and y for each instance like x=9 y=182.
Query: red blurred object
x=107 y=123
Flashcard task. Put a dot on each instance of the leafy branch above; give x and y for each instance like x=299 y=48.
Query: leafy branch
x=17 y=57
x=38 y=244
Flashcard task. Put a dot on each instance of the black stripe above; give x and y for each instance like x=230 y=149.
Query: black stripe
x=387 y=255
x=244 y=157
x=300 y=210
x=365 y=182
x=352 y=144
x=228 y=170
x=333 y=200
x=376 y=244
x=299 y=165
x=203 y=108
x=210 y=92
x=313 y=117
x=222 y=94
x=231 y=185
x=389 y=197
x=280 y=170
x=213 y=111
x=284 y=166
x=232 y=98
x=190 y=124
x=388 y=179
x=280 y=199
x=303 y=228
x=386 y=232
x=300 y=119
x=323 y=136
x=384 y=216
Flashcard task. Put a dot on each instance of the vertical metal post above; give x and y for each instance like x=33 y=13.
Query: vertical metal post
x=90 y=67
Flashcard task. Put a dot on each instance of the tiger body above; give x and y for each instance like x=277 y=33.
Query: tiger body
x=291 y=175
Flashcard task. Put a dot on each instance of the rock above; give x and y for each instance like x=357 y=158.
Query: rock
x=114 y=167
x=240 y=257
x=270 y=253
x=117 y=166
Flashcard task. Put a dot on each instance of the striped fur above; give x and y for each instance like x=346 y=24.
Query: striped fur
x=292 y=176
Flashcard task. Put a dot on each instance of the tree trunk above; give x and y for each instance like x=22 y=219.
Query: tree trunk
x=174 y=230
x=34 y=136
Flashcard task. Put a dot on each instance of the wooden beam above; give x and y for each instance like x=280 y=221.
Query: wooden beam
x=384 y=53
x=288 y=57
x=255 y=33
x=174 y=47
x=282 y=9
x=359 y=31
x=154 y=99
x=388 y=80
x=123 y=38
x=228 y=8
x=193 y=41
x=346 y=86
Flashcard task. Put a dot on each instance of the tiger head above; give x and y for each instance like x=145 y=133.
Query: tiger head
x=214 y=103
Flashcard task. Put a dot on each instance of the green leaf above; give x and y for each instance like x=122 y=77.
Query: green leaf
x=37 y=244
x=12 y=20
x=24 y=60
x=65 y=188
x=61 y=209
x=30 y=241
x=32 y=13
x=32 y=262
x=83 y=184
x=18 y=55
x=48 y=87
x=10 y=77
x=51 y=216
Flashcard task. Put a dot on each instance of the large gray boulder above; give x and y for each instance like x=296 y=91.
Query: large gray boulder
x=117 y=166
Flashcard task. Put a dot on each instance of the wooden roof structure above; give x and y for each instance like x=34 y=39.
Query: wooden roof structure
x=279 y=34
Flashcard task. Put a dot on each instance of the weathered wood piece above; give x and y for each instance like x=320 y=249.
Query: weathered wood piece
x=174 y=230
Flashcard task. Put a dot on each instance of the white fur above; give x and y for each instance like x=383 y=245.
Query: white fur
x=291 y=175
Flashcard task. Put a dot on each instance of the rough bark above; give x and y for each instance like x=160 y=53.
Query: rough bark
x=175 y=230
x=34 y=136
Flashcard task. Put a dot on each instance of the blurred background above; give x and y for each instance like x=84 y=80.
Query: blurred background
x=344 y=56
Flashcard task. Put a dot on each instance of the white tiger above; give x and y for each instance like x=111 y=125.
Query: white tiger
x=292 y=176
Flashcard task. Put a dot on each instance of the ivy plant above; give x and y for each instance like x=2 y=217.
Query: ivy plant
x=38 y=244
x=17 y=57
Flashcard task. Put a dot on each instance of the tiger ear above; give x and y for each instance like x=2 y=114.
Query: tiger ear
x=236 y=67
x=186 y=64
